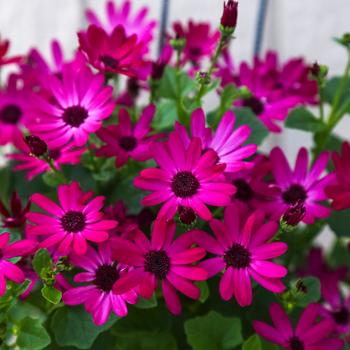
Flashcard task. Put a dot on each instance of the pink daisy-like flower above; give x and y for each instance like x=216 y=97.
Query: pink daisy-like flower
x=133 y=24
x=308 y=334
x=226 y=142
x=9 y=270
x=81 y=103
x=299 y=185
x=200 y=41
x=243 y=251
x=13 y=114
x=4 y=47
x=124 y=140
x=160 y=260
x=70 y=224
x=34 y=166
x=115 y=52
x=100 y=272
x=339 y=192
x=186 y=178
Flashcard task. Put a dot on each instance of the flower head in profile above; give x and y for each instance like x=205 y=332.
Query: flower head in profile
x=79 y=105
x=339 y=192
x=229 y=15
x=34 y=165
x=100 y=274
x=116 y=52
x=242 y=250
x=200 y=41
x=124 y=140
x=14 y=115
x=9 y=270
x=300 y=184
x=15 y=215
x=309 y=334
x=226 y=142
x=136 y=23
x=4 y=48
x=187 y=177
x=161 y=260
x=67 y=227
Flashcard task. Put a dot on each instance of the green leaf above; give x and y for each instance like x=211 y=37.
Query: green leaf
x=42 y=260
x=165 y=116
x=175 y=84
x=311 y=294
x=214 y=332
x=252 y=343
x=302 y=119
x=32 y=335
x=339 y=222
x=51 y=294
x=245 y=116
x=203 y=286
x=331 y=89
x=22 y=309
x=51 y=179
x=73 y=326
x=147 y=303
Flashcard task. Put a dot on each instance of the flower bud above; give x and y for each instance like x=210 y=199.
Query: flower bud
x=187 y=216
x=36 y=145
x=203 y=78
x=229 y=15
x=294 y=214
x=318 y=71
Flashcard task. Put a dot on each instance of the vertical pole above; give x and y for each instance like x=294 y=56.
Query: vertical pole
x=164 y=15
x=260 y=27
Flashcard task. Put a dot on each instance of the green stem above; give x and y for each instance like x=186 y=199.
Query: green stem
x=92 y=158
x=58 y=173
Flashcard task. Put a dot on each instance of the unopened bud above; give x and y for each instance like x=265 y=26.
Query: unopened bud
x=229 y=15
x=294 y=214
x=36 y=145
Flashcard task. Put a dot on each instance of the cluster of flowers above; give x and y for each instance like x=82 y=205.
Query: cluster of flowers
x=49 y=114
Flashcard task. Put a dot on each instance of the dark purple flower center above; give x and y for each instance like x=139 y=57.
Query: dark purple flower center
x=158 y=263
x=296 y=343
x=294 y=194
x=342 y=316
x=195 y=51
x=184 y=184
x=10 y=114
x=36 y=145
x=73 y=221
x=187 y=215
x=254 y=104
x=237 y=256
x=128 y=143
x=109 y=61
x=75 y=116
x=244 y=192
x=55 y=154
x=105 y=277
x=1 y=254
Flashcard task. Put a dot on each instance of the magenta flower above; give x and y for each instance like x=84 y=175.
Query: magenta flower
x=4 y=47
x=116 y=52
x=160 y=260
x=13 y=114
x=70 y=224
x=15 y=215
x=200 y=42
x=34 y=166
x=9 y=270
x=226 y=142
x=229 y=15
x=308 y=334
x=100 y=272
x=81 y=102
x=133 y=24
x=124 y=140
x=242 y=251
x=339 y=192
x=186 y=178
x=299 y=185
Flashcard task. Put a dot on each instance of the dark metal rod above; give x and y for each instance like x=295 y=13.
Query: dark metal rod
x=163 y=24
x=260 y=27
